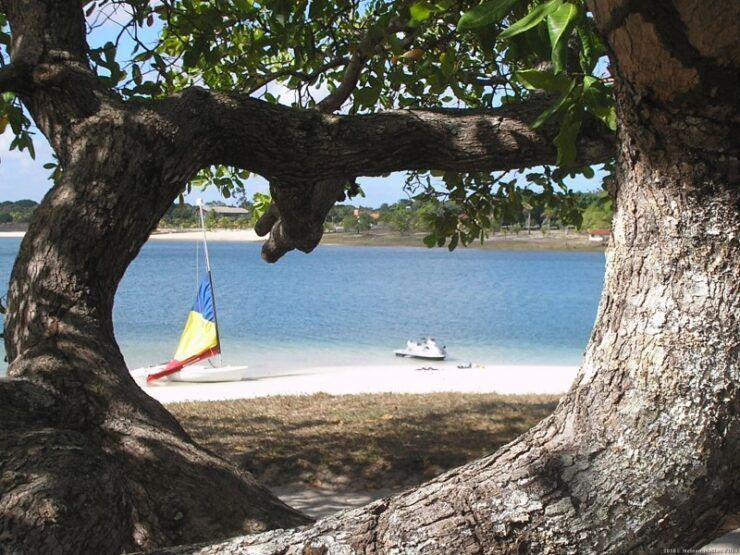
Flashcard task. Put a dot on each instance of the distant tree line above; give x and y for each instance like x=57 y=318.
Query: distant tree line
x=17 y=212
x=593 y=210
x=185 y=216
x=405 y=216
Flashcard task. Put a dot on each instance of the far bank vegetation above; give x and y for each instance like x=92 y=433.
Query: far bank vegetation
x=593 y=210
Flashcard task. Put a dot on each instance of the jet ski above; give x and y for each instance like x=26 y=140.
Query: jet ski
x=427 y=348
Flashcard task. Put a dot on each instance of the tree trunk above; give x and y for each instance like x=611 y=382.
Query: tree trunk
x=90 y=462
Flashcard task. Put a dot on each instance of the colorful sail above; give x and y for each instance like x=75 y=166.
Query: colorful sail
x=199 y=339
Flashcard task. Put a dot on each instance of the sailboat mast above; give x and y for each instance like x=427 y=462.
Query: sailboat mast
x=210 y=277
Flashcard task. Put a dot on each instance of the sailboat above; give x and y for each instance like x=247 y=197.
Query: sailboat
x=199 y=342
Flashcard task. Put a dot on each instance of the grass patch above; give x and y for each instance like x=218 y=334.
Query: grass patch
x=360 y=441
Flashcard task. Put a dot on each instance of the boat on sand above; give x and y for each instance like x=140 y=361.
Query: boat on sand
x=198 y=355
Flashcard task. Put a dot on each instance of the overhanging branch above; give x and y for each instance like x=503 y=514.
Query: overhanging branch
x=295 y=145
x=308 y=156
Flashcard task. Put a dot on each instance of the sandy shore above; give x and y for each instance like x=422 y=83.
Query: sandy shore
x=223 y=235
x=378 y=379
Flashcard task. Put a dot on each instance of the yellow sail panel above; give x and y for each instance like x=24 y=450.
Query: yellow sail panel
x=199 y=336
x=199 y=339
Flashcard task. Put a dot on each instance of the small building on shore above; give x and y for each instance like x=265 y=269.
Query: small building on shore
x=599 y=235
x=231 y=211
x=375 y=215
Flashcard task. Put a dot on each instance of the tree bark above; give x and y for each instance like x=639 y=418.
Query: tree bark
x=90 y=462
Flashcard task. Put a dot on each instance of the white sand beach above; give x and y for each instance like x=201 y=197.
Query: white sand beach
x=214 y=235
x=343 y=380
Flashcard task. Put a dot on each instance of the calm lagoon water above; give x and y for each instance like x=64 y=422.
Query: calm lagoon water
x=354 y=305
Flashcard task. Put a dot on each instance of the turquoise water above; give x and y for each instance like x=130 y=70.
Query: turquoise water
x=354 y=305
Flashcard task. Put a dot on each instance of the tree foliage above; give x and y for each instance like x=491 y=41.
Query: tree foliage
x=364 y=57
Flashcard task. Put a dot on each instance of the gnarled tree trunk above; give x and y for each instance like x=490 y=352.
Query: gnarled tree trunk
x=90 y=462
x=644 y=451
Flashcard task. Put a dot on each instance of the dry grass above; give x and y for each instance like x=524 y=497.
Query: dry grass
x=360 y=441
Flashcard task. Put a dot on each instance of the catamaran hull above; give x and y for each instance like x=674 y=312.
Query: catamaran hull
x=193 y=374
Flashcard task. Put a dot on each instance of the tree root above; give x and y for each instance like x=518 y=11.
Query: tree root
x=124 y=484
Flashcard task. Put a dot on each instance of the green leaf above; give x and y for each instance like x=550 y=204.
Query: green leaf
x=559 y=56
x=109 y=51
x=532 y=19
x=136 y=74
x=599 y=101
x=545 y=80
x=368 y=96
x=453 y=242
x=30 y=148
x=562 y=103
x=559 y=25
x=591 y=46
x=420 y=12
x=430 y=240
x=565 y=141
x=488 y=13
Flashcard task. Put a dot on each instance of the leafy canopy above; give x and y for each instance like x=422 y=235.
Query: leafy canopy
x=411 y=54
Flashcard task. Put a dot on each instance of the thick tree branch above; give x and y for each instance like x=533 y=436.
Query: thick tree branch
x=296 y=149
x=295 y=145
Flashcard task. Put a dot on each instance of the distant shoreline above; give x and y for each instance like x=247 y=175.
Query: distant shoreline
x=553 y=241
x=535 y=242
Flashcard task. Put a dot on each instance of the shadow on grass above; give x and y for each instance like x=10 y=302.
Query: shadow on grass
x=360 y=441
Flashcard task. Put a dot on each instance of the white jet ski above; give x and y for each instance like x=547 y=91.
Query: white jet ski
x=427 y=348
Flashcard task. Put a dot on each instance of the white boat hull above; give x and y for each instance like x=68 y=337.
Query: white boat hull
x=195 y=373
x=427 y=348
x=409 y=354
